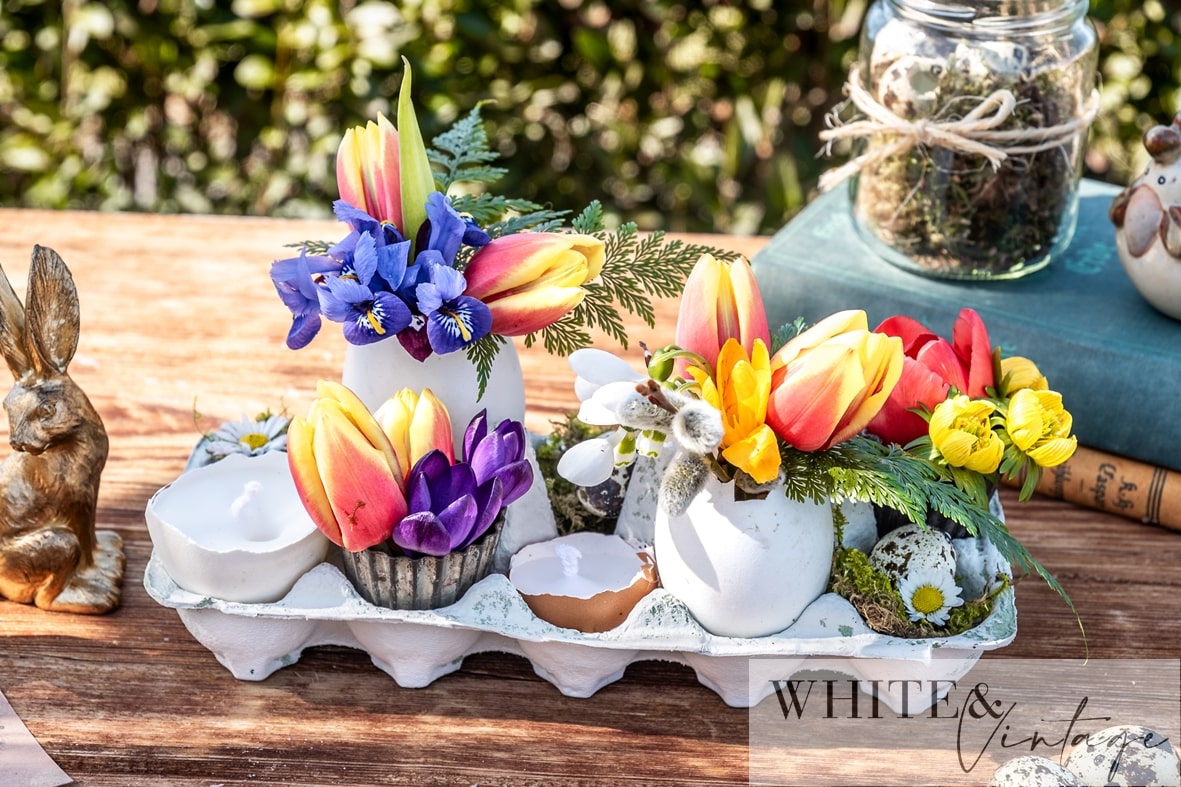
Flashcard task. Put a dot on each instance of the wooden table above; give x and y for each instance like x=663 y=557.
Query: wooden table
x=179 y=317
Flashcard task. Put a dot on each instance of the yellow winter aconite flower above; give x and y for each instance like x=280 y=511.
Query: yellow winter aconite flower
x=1039 y=426
x=961 y=433
x=1022 y=373
x=740 y=392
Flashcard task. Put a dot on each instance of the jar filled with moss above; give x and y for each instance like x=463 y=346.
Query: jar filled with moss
x=973 y=116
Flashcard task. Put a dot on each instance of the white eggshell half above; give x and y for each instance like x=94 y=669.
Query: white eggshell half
x=1033 y=771
x=610 y=579
x=912 y=547
x=235 y=529
x=1137 y=755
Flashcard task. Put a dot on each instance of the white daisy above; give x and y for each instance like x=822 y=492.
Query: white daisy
x=929 y=594
x=249 y=436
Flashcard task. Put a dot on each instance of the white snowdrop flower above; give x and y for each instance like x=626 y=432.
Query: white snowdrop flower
x=590 y=462
x=596 y=368
x=929 y=594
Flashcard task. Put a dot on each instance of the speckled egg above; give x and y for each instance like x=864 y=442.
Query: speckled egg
x=912 y=547
x=1033 y=771
x=909 y=87
x=1126 y=755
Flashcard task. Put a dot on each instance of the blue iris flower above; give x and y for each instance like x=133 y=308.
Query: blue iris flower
x=453 y=320
x=358 y=299
x=295 y=281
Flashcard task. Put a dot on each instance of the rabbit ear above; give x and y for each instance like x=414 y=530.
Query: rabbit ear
x=53 y=316
x=12 y=329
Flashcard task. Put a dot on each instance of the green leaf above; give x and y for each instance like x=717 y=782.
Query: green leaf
x=482 y=354
x=417 y=179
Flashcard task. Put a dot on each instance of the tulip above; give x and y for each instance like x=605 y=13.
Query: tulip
x=931 y=369
x=386 y=174
x=416 y=424
x=962 y=434
x=831 y=380
x=740 y=392
x=1039 y=426
x=345 y=470
x=721 y=301
x=531 y=280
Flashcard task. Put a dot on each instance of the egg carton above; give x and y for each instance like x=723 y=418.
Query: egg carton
x=417 y=647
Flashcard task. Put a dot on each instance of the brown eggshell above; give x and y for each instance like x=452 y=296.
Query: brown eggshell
x=632 y=575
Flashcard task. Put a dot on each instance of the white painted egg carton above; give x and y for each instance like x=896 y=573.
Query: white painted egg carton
x=418 y=647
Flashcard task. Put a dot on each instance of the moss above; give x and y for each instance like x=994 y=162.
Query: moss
x=874 y=596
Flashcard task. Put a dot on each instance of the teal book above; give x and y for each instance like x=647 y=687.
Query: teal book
x=1115 y=359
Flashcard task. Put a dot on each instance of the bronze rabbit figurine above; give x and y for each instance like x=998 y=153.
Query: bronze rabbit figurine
x=50 y=553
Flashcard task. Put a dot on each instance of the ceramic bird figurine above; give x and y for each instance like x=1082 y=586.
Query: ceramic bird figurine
x=50 y=553
x=1147 y=218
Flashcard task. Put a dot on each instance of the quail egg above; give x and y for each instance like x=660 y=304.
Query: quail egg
x=1033 y=771
x=1126 y=755
x=911 y=547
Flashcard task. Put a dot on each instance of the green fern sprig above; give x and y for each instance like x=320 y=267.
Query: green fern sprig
x=313 y=247
x=461 y=153
x=482 y=354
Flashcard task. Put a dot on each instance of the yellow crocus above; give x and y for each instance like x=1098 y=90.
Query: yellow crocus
x=1022 y=373
x=961 y=433
x=1039 y=426
x=740 y=391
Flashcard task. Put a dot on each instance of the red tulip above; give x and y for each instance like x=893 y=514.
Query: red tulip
x=931 y=368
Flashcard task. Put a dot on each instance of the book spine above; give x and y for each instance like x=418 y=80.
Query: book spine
x=1117 y=485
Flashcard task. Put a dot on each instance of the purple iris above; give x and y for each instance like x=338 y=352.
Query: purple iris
x=368 y=314
x=293 y=280
x=453 y=505
x=453 y=320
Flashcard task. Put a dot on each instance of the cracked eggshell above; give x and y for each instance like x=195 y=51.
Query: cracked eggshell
x=911 y=547
x=910 y=86
x=1126 y=755
x=235 y=529
x=1033 y=771
x=584 y=581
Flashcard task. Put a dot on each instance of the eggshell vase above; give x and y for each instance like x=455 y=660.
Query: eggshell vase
x=745 y=568
x=375 y=372
x=216 y=537
x=396 y=581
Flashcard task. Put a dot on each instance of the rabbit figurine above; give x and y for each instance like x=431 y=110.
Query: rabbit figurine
x=1147 y=218
x=50 y=554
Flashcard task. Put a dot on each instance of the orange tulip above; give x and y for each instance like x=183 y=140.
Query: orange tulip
x=345 y=470
x=828 y=382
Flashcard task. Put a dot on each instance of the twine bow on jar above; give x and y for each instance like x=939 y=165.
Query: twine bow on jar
x=976 y=133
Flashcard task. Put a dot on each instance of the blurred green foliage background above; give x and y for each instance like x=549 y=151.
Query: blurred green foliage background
x=678 y=114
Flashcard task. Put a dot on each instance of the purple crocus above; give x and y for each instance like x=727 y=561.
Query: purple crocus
x=448 y=510
x=452 y=505
x=499 y=454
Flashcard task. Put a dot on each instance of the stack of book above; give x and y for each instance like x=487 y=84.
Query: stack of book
x=1115 y=359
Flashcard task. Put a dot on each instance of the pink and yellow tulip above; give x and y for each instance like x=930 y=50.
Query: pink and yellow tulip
x=384 y=173
x=416 y=424
x=532 y=279
x=721 y=302
x=345 y=470
x=831 y=380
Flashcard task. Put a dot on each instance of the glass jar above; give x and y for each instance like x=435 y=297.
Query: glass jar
x=978 y=177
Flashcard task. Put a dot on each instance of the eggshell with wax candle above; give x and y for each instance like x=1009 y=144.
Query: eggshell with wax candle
x=589 y=582
x=235 y=529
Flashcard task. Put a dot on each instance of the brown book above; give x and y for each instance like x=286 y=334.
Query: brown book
x=1116 y=484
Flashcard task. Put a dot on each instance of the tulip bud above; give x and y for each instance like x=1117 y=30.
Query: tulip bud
x=721 y=301
x=532 y=279
x=415 y=425
x=367 y=170
x=345 y=471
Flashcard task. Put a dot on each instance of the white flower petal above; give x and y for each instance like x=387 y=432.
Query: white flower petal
x=588 y=463
x=600 y=367
x=934 y=578
x=594 y=413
